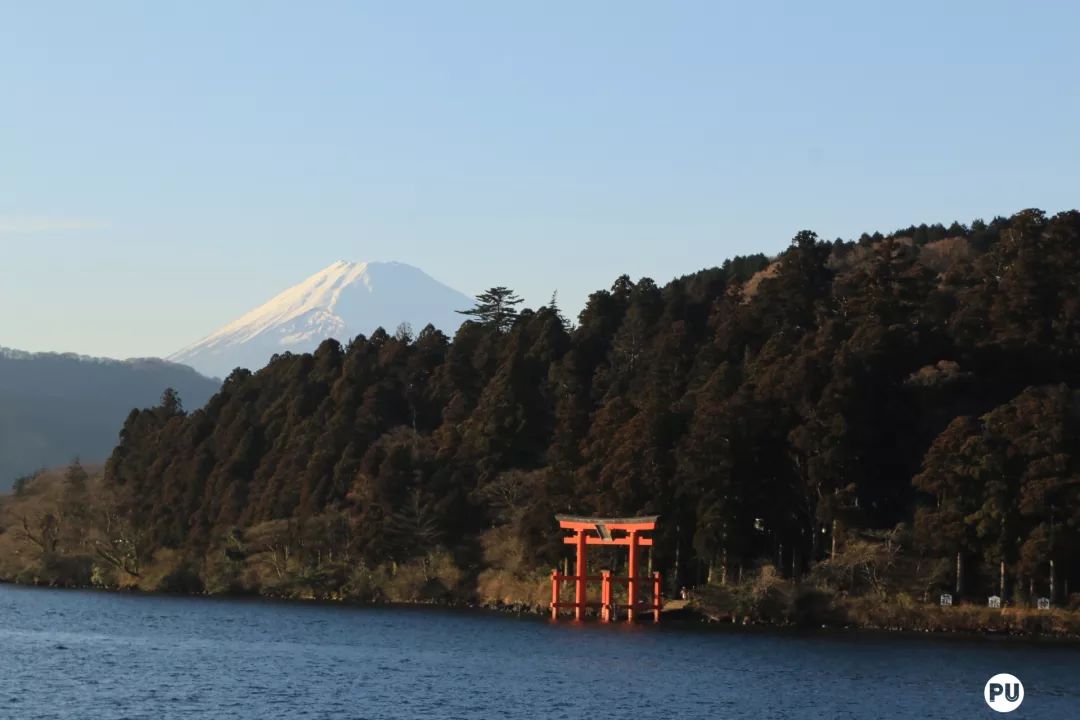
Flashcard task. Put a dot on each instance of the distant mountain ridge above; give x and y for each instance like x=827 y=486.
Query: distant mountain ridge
x=340 y=301
x=16 y=354
x=54 y=406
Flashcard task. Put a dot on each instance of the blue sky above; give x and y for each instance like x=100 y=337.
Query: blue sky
x=165 y=167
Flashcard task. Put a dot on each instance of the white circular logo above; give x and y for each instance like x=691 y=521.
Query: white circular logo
x=1004 y=692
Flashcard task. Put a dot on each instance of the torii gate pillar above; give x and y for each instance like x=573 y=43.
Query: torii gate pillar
x=581 y=570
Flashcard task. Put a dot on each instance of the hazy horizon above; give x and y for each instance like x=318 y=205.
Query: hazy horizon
x=166 y=172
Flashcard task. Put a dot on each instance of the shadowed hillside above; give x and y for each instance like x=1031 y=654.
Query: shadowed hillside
x=54 y=407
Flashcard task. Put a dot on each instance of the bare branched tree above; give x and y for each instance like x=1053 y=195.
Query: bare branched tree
x=44 y=532
x=119 y=542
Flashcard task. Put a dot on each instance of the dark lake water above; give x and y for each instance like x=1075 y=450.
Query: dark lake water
x=102 y=656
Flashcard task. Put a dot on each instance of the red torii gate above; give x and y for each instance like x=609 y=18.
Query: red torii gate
x=599 y=531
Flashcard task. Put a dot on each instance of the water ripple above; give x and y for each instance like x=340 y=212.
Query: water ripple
x=116 y=657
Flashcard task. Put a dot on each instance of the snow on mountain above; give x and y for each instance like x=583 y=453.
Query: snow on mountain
x=340 y=301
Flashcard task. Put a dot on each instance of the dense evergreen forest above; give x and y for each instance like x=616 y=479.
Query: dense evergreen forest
x=897 y=414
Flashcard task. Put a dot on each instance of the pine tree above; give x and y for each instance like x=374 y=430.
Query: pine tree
x=495 y=308
x=170 y=403
x=76 y=476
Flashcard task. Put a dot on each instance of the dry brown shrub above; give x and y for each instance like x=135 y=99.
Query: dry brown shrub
x=432 y=578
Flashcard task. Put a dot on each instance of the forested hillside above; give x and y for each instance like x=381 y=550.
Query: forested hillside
x=900 y=408
x=56 y=406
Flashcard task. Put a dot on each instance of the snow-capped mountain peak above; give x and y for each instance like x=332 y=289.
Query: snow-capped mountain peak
x=340 y=301
x=320 y=292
